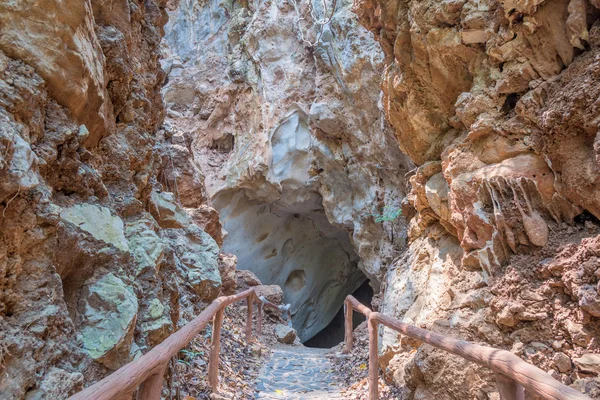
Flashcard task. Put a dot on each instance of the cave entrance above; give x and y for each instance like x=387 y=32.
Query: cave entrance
x=333 y=334
x=295 y=247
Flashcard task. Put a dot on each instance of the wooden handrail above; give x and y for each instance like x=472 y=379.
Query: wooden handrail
x=513 y=375
x=147 y=371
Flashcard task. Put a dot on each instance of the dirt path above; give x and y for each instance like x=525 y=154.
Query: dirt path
x=297 y=372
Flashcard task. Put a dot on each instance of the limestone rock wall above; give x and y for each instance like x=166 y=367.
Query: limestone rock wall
x=490 y=152
x=295 y=149
x=478 y=118
x=99 y=261
x=495 y=101
x=471 y=89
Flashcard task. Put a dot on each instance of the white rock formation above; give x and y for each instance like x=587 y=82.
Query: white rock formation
x=296 y=153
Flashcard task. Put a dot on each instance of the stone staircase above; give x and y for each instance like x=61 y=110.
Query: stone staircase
x=297 y=373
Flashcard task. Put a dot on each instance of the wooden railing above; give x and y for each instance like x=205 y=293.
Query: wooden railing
x=147 y=371
x=513 y=375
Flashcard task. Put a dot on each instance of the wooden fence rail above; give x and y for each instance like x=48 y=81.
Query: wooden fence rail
x=147 y=371
x=513 y=375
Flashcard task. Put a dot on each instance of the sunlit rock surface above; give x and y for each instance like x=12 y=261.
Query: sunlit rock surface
x=88 y=278
x=295 y=150
x=478 y=119
x=489 y=101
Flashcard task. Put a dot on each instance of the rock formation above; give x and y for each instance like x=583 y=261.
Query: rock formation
x=490 y=100
x=98 y=261
x=306 y=127
x=493 y=106
x=296 y=153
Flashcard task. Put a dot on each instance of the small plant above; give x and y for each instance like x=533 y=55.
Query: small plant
x=180 y=361
x=387 y=214
x=191 y=354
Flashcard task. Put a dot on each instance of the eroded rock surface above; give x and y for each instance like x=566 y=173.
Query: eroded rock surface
x=478 y=119
x=487 y=98
x=493 y=106
x=285 y=334
x=109 y=312
x=296 y=153
x=98 y=260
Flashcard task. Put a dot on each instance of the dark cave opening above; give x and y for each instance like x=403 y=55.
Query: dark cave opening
x=586 y=216
x=333 y=334
x=224 y=144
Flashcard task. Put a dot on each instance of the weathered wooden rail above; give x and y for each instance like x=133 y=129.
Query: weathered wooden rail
x=147 y=371
x=513 y=375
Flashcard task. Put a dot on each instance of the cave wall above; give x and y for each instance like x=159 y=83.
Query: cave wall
x=314 y=263
x=292 y=143
x=98 y=260
x=490 y=151
x=494 y=102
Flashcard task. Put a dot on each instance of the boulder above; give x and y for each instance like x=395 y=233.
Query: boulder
x=207 y=218
x=246 y=278
x=197 y=253
x=227 y=264
x=57 y=384
x=156 y=325
x=166 y=211
x=98 y=222
x=109 y=312
x=272 y=293
x=144 y=244
x=285 y=334
x=562 y=362
x=588 y=363
x=157 y=330
x=589 y=300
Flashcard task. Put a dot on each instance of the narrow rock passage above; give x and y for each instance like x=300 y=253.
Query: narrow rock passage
x=298 y=373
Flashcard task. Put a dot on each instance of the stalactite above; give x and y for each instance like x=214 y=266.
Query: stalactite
x=535 y=226
x=498 y=217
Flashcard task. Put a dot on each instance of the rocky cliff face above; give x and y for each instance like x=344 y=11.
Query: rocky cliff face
x=98 y=262
x=296 y=153
x=496 y=104
x=479 y=119
x=493 y=106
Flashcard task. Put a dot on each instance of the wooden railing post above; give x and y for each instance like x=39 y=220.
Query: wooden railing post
x=508 y=388
x=348 y=325
x=260 y=317
x=151 y=388
x=373 y=359
x=213 y=364
x=250 y=302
